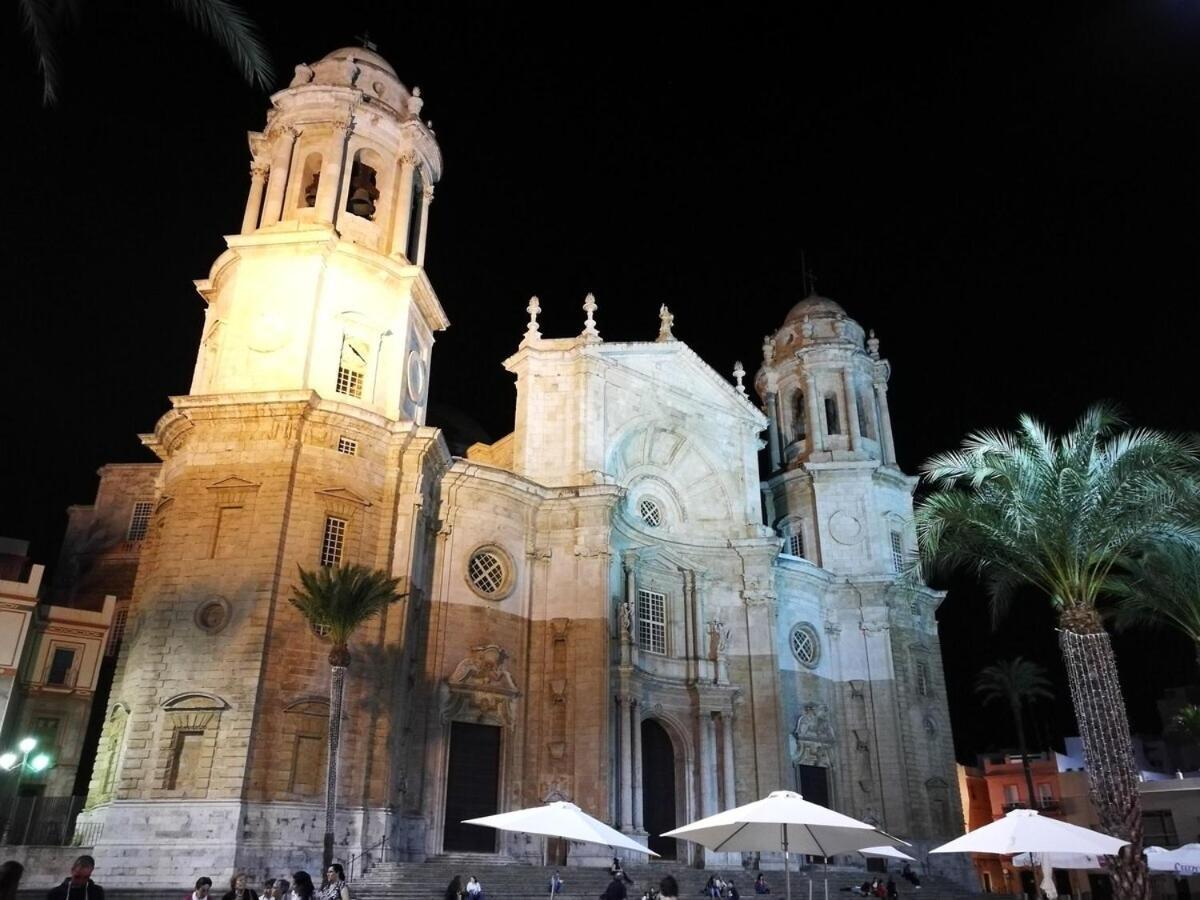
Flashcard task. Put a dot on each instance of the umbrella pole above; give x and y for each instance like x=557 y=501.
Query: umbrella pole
x=787 y=866
x=826 y=878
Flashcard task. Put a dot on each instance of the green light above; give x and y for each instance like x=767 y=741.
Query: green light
x=39 y=762
x=27 y=745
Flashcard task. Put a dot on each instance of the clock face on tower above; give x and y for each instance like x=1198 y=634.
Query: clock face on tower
x=268 y=332
x=416 y=377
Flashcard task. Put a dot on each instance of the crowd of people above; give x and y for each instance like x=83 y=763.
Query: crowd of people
x=79 y=885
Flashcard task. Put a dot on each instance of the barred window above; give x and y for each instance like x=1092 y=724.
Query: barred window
x=923 y=679
x=117 y=633
x=652 y=621
x=650 y=512
x=347 y=446
x=795 y=544
x=805 y=645
x=333 y=542
x=486 y=571
x=897 y=552
x=139 y=522
x=352 y=368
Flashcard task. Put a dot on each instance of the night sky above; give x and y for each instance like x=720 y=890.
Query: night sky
x=1007 y=194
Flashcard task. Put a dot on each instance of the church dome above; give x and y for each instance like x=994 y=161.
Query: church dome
x=363 y=57
x=813 y=306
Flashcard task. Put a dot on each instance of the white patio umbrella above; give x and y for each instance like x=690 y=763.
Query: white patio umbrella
x=1058 y=860
x=560 y=819
x=783 y=822
x=1024 y=831
x=1183 y=861
x=887 y=853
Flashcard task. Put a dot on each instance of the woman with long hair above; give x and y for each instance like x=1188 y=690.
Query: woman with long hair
x=10 y=879
x=302 y=886
x=335 y=883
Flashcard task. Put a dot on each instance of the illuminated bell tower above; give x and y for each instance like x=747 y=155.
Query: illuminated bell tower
x=301 y=444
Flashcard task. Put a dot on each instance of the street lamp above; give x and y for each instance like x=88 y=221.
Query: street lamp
x=10 y=761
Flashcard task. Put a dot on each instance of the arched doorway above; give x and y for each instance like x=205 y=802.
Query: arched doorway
x=658 y=787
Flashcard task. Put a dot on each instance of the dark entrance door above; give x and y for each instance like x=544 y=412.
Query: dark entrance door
x=472 y=782
x=813 y=784
x=658 y=787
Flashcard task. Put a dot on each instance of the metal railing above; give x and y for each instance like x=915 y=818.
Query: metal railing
x=41 y=820
x=366 y=858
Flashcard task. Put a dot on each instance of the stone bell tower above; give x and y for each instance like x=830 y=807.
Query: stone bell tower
x=301 y=444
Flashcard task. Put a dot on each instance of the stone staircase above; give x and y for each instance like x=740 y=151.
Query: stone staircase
x=511 y=880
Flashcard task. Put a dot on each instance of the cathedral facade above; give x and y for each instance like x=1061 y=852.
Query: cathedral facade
x=608 y=605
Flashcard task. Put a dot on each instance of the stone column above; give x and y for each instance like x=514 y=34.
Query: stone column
x=404 y=200
x=773 y=424
x=851 y=410
x=258 y=175
x=814 y=426
x=631 y=596
x=635 y=711
x=708 y=763
x=626 y=764
x=727 y=770
x=885 y=425
x=277 y=183
x=426 y=202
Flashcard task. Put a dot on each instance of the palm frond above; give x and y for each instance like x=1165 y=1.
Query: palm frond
x=38 y=17
x=339 y=600
x=232 y=28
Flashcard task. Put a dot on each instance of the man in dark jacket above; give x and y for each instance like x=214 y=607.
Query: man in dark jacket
x=80 y=885
x=614 y=891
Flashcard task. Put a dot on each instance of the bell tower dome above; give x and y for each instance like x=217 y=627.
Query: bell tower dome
x=834 y=493
x=324 y=288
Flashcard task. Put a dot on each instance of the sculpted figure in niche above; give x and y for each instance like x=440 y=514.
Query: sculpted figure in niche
x=485 y=667
x=813 y=723
x=718 y=638
x=626 y=613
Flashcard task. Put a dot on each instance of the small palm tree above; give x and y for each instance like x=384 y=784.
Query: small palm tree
x=1028 y=508
x=335 y=602
x=1185 y=724
x=222 y=20
x=1015 y=682
x=1161 y=587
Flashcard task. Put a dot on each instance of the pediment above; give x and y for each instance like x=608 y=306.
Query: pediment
x=654 y=556
x=194 y=700
x=344 y=495
x=233 y=482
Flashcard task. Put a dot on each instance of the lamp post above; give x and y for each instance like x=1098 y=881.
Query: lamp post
x=10 y=761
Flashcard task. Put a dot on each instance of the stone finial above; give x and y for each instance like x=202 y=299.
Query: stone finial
x=807 y=328
x=532 y=333
x=873 y=345
x=739 y=373
x=415 y=102
x=666 y=320
x=768 y=349
x=589 y=326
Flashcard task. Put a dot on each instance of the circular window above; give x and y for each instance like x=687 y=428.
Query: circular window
x=650 y=511
x=806 y=645
x=212 y=615
x=489 y=573
x=416 y=377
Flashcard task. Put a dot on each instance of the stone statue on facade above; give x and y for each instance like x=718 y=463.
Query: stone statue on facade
x=666 y=320
x=625 y=610
x=812 y=739
x=481 y=689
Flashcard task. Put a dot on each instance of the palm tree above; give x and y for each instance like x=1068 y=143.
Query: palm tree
x=1161 y=586
x=222 y=20
x=1015 y=682
x=336 y=601
x=1185 y=724
x=1059 y=513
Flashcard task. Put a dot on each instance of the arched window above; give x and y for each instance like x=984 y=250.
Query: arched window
x=414 y=215
x=833 y=423
x=799 y=416
x=310 y=181
x=363 y=192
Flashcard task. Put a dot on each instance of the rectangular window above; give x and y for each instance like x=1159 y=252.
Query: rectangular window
x=347 y=446
x=45 y=729
x=914 y=607
x=1012 y=795
x=62 y=667
x=652 y=621
x=987 y=882
x=231 y=533
x=185 y=759
x=308 y=764
x=897 y=552
x=923 y=679
x=1045 y=795
x=333 y=541
x=1159 y=828
x=352 y=369
x=795 y=544
x=117 y=632
x=139 y=522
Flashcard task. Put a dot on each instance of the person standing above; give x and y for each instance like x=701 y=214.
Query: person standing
x=302 y=886
x=238 y=889
x=556 y=884
x=202 y=889
x=10 y=879
x=892 y=893
x=454 y=890
x=335 y=883
x=80 y=885
x=616 y=887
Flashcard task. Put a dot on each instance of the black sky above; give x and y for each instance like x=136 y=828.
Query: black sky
x=1006 y=193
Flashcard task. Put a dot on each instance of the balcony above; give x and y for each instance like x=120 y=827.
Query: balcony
x=1047 y=805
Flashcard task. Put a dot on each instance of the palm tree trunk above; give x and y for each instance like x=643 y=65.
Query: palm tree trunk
x=1107 y=749
x=337 y=686
x=1016 y=711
